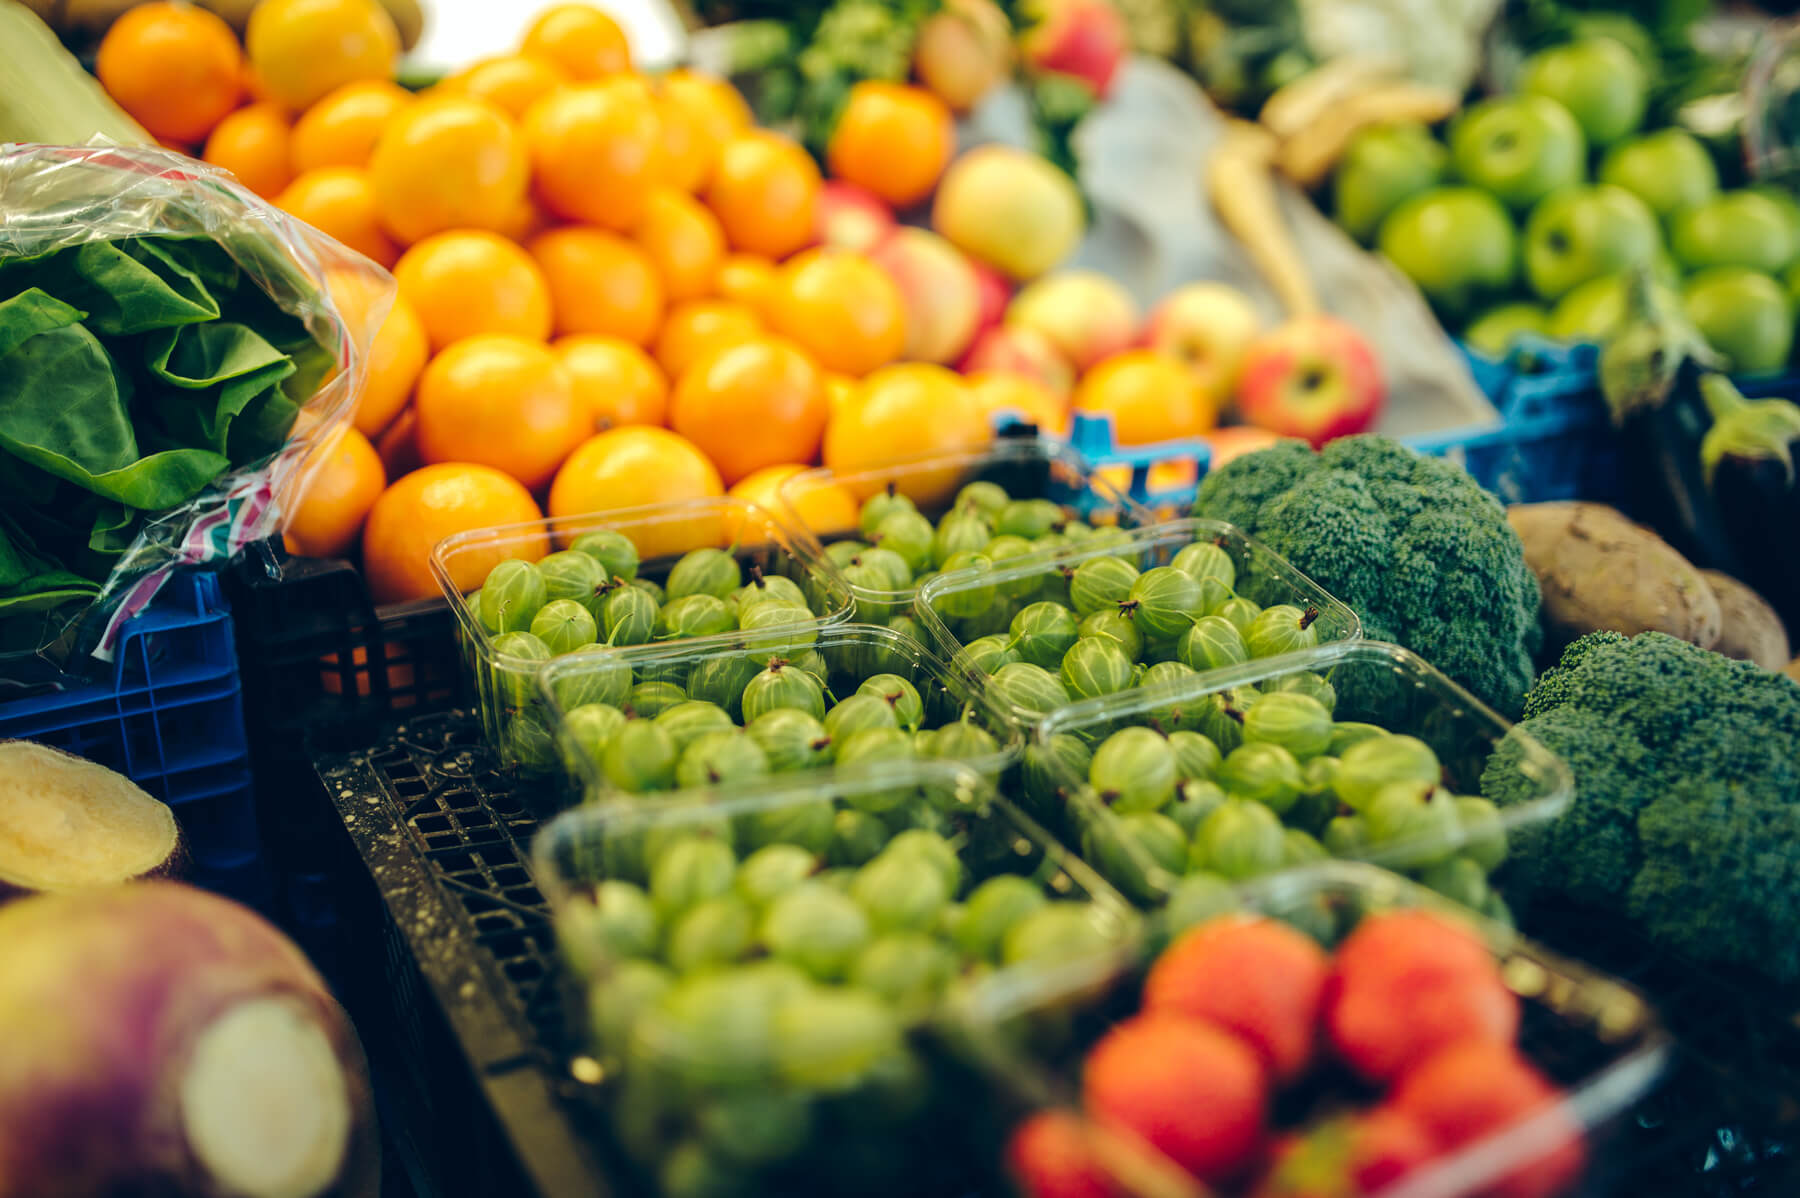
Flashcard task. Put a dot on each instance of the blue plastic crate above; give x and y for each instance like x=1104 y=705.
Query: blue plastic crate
x=1091 y=436
x=170 y=717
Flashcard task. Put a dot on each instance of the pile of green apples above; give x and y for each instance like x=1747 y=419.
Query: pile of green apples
x=1533 y=210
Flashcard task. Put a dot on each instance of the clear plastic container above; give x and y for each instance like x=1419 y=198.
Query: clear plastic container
x=1375 y=683
x=1026 y=468
x=1263 y=576
x=846 y=653
x=1596 y=1038
x=758 y=1058
x=505 y=685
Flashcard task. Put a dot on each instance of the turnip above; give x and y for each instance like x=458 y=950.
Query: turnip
x=69 y=824
x=158 y=1039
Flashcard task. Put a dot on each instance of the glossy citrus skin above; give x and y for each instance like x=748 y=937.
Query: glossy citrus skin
x=340 y=201
x=596 y=151
x=696 y=326
x=580 y=39
x=819 y=505
x=500 y=401
x=397 y=354
x=253 y=144
x=1149 y=396
x=467 y=282
x=340 y=483
x=905 y=411
x=765 y=192
x=599 y=283
x=636 y=466
x=842 y=309
x=751 y=404
x=175 y=68
x=684 y=241
x=618 y=382
x=893 y=139
x=343 y=127
x=510 y=82
x=448 y=162
x=303 y=49
x=434 y=502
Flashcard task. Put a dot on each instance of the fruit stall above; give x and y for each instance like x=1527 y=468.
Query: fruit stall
x=1035 y=598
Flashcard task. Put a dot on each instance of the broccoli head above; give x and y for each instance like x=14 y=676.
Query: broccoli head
x=1414 y=544
x=1686 y=814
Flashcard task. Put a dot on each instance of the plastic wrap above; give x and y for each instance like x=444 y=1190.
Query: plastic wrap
x=56 y=198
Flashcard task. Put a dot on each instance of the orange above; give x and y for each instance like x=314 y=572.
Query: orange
x=720 y=108
x=695 y=326
x=396 y=356
x=838 y=390
x=175 y=68
x=765 y=192
x=900 y=412
x=635 y=466
x=841 y=308
x=817 y=504
x=527 y=221
x=448 y=162
x=435 y=502
x=751 y=404
x=596 y=152
x=893 y=139
x=303 y=49
x=468 y=281
x=749 y=279
x=501 y=401
x=599 y=283
x=1022 y=397
x=580 y=39
x=1149 y=396
x=343 y=127
x=252 y=143
x=615 y=379
x=685 y=241
x=510 y=82
x=399 y=444
x=340 y=481
x=340 y=201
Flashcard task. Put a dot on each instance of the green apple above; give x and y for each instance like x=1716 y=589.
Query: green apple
x=1494 y=331
x=1595 y=310
x=1597 y=79
x=1581 y=233
x=1738 y=228
x=1381 y=167
x=1521 y=148
x=1458 y=244
x=1792 y=278
x=1744 y=315
x=1669 y=170
x=1790 y=207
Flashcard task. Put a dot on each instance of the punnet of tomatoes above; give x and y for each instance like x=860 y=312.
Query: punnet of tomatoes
x=1333 y=1034
x=615 y=289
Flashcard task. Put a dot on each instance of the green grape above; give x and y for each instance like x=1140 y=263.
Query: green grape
x=1264 y=773
x=900 y=893
x=791 y=740
x=1211 y=644
x=881 y=505
x=615 y=1004
x=648 y=700
x=704 y=572
x=833 y=1039
x=805 y=823
x=576 y=576
x=901 y=696
x=1134 y=770
x=773 y=870
x=992 y=908
x=856 y=837
x=628 y=616
x=695 y=616
x=1114 y=625
x=640 y=757
x=907 y=970
x=711 y=933
x=856 y=713
x=617 y=556
x=517 y=659
x=511 y=595
x=591 y=727
x=616 y=920
x=689 y=721
x=722 y=758
x=783 y=686
x=1060 y=931
x=815 y=928
x=908 y=534
x=1042 y=633
x=1101 y=584
x=982 y=496
x=1028 y=688
x=959 y=533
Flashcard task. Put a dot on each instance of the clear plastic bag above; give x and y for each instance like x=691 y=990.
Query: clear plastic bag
x=57 y=198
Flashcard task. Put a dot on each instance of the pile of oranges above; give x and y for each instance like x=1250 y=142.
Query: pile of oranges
x=611 y=285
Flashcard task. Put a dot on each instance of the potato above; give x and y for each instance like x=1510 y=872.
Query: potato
x=1751 y=631
x=69 y=824
x=162 y=1040
x=1598 y=570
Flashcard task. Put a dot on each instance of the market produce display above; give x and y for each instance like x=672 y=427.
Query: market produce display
x=757 y=968
x=1411 y=543
x=71 y=824
x=239 y=1073
x=1398 y=1050
x=1686 y=816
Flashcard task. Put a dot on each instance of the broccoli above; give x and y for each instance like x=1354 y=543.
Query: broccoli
x=1686 y=815
x=1414 y=544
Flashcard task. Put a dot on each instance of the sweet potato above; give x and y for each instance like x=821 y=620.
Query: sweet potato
x=1598 y=570
x=1750 y=629
x=162 y=1040
x=69 y=824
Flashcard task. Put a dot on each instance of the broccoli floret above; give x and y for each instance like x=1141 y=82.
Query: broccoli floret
x=1686 y=813
x=1414 y=544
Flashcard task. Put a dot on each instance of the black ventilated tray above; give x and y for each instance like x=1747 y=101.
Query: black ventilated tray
x=457 y=997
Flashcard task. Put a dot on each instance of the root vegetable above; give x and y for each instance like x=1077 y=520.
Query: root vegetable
x=1598 y=571
x=68 y=824
x=163 y=1040
x=1307 y=156
x=1749 y=629
x=1242 y=188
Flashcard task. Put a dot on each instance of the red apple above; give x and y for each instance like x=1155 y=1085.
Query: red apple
x=1207 y=327
x=1085 y=314
x=1314 y=378
x=943 y=295
x=994 y=290
x=1086 y=39
x=852 y=218
x=1009 y=349
x=963 y=51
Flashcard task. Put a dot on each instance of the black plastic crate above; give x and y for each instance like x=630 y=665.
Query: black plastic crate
x=457 y=999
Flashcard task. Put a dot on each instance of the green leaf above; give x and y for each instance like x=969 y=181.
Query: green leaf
x=200 y=355
x=29 y=313
x=122 y=287
x=62 y=401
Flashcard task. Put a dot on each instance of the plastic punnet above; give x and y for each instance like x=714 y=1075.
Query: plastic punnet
x=506 y=685
x=1263 y=577
x=784 y=1060
x=1595 y=1037
x=1374 y=683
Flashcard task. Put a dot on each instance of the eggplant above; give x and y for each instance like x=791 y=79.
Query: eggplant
x=1747 y=458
